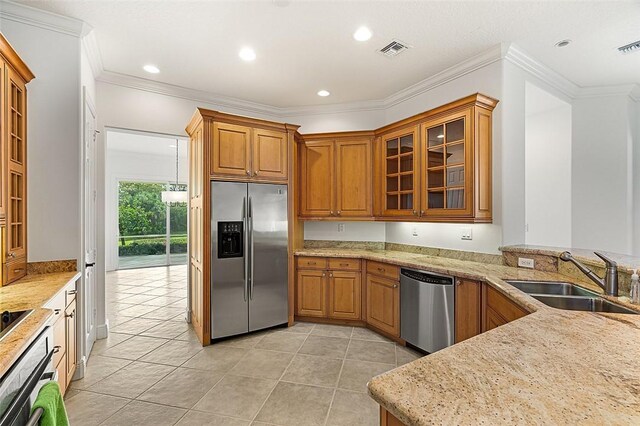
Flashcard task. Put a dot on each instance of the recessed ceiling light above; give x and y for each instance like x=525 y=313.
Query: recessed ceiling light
x=362 y=34
x=247 y=54
x=323 y=93
x=151 y=69
x=563 y=43
x=440 y=136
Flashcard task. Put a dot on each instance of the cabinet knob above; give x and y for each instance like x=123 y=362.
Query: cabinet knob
x=11 y=254
x=421 y=212
x=458 y=282
x=338 y=212
x=255 y=173
x=331 y=212
x=331 y=275
x=415 y=213
x=395 y=286
x=56 y=349
x=381 y=269
x=324 y=274
x=248 y=172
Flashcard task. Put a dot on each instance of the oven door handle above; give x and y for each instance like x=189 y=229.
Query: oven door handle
x=25 y=392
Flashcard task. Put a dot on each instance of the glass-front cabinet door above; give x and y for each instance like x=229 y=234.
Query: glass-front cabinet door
x=448 y=166
x=400 y=177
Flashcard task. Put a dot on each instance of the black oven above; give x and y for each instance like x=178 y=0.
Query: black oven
x=20 y=385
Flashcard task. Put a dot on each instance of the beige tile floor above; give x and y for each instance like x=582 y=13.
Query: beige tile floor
x=152 y=371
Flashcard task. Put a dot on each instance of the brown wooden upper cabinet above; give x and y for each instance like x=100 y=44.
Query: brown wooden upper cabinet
x=336 y=176
x=436 y=166
x=243 y=151
x=13 y=193
x=400 y=164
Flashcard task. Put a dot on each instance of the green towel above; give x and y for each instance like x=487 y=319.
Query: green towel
x=50 y=400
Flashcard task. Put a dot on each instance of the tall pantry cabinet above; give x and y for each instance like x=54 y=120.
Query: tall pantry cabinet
x=14 y=75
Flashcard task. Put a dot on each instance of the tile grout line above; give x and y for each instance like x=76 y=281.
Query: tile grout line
x=335 y=389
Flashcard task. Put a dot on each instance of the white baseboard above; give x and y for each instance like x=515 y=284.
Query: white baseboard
x=80 y=368
x=102 y=330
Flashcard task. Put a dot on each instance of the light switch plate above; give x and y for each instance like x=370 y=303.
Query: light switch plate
x=466 y=234
x=524 y=262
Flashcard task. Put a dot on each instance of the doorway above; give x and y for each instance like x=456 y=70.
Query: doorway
x=143 y=229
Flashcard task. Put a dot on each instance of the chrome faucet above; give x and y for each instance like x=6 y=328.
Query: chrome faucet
x=610 y=281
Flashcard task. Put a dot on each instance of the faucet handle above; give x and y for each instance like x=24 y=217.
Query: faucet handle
x=610 y=262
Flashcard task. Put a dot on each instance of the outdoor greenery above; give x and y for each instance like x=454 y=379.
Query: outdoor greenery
x=142 y=220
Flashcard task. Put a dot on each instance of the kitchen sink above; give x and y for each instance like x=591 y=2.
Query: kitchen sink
x=577 y=303
x=551 y=287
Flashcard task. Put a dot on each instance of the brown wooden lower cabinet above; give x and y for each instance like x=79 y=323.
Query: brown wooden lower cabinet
x=312 y=293
x=468 y=309
x=498 y=309
x=383 y=304
x=388 y=419
x=344 y=294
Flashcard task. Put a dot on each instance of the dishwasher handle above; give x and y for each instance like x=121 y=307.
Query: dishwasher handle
x=427 y=277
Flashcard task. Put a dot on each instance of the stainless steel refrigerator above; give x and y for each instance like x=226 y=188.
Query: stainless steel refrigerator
x=249 y=270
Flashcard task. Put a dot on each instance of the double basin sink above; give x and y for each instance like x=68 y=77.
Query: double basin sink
x=568 y=296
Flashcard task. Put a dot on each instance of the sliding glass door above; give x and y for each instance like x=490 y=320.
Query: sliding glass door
x=151 y=232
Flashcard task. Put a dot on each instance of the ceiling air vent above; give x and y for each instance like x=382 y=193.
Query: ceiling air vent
x=394 y=48
x=631 y=47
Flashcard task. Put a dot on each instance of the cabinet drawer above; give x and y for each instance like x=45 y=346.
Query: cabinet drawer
x=312 y=262
x=59 y=340
x=502 y=305
x=16 y=269
x=344 y=264
x=70 y=294
x=383 y=270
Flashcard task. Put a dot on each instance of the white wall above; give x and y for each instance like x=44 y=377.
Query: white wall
x=635 y=118
x=353 y=231
x=53 y=149
x=547 y=169
x=601 y=175
x=135 y=166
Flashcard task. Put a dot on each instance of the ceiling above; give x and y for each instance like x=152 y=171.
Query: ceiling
x=303 y=47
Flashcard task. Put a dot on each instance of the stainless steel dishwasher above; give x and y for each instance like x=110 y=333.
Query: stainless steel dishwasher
x=426 y=309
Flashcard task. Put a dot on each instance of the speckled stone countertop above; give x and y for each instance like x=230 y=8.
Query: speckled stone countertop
x=549 y=367
x=30 y=292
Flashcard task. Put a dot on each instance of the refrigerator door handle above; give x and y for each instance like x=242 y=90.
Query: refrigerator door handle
x=245 y=272
x=251 y=249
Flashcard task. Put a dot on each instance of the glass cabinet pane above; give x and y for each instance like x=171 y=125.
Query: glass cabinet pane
x=392 y=183
x=406 y=201
x=455 y=198
x=455 y=176
x=406 y=163
x=435 y=157
x=435 y=199
x=392 y=147
x=406 y=182
x=406 y=144
x=392 y=202
x=392 y=165
x=435 y=178
x=455 y=131
x=455 y=153
x=435 y=136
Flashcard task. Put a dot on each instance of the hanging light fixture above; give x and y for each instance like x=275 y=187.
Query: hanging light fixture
x=174 y=196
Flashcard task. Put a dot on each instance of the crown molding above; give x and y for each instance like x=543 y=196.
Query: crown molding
x=456 y=71
x=40 y=18
x=629 y=90
x=519 y=58
x=91 y=48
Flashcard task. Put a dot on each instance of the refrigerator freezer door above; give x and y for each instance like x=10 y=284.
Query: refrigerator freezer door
x=229 y=292
x=268 y=305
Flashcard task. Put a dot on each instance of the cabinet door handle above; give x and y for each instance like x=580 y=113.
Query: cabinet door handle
x=72 y=292
x=18 y=270
x=56 y=311
x=72 y=314
x=56 y=349
x=311 y=263
x=381 y=269
x=344 y=264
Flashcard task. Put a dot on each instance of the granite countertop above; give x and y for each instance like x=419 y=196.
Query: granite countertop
x=551 y=366
x=30 y=292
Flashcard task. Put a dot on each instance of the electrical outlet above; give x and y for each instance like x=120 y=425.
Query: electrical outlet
x=414 y=231
x=466 y=234
x=524 y=262
x=341 y=227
